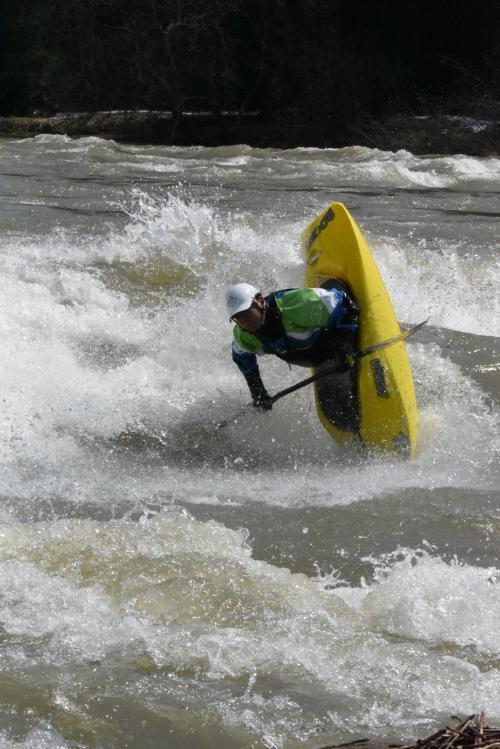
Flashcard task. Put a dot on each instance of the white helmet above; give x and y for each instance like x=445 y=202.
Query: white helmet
x=239 y=298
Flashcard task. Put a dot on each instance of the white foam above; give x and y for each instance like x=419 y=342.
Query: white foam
x=372 y=166
x=116 y=366
x=171 y=373
x=189 y=596
x=421 y=597
x=42 y=736
x=464 y=297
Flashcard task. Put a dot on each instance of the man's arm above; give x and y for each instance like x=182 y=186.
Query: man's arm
x=247 y=364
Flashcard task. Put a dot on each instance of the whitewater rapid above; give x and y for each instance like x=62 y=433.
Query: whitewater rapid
x=255 y=585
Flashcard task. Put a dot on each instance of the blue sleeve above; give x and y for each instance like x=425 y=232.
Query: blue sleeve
x=340 y=316
x=246 y=361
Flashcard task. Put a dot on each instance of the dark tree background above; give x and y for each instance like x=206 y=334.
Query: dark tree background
x=296 y=60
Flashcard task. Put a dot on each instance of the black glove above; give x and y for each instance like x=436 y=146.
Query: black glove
x=264 y=401
x=260 y=396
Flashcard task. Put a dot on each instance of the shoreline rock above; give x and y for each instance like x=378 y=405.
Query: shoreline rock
x=421 y=135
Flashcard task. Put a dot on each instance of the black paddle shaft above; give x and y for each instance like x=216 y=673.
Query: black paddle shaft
x=331 y=370
x=350 y=357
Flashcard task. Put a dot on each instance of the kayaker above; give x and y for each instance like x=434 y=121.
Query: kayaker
x=308 y=327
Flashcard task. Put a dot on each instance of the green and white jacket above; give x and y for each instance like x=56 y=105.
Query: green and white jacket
x=294 y=328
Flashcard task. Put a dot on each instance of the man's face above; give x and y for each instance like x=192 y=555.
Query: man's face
x=251 y=319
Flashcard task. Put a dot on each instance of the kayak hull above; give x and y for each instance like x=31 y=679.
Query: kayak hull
x=335 y=248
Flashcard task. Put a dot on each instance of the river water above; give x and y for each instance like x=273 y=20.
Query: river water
x=164 y=583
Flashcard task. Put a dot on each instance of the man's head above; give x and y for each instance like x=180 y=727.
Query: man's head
x=246 y=306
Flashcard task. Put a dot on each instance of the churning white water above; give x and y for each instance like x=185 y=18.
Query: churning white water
x=166 y=582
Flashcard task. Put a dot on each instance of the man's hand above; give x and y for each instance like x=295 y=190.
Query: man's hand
x=263 y=401
x=260 y=396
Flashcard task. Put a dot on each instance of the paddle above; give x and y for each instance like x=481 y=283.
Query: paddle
x=351 y=358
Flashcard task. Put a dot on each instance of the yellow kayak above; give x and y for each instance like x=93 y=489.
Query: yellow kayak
x=336 y=249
